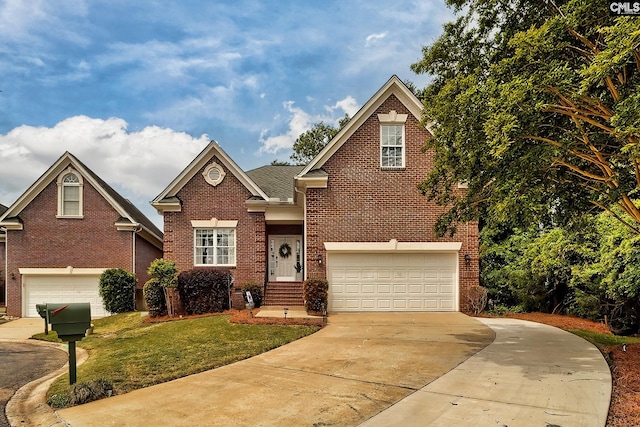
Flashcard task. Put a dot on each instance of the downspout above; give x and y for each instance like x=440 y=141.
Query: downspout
x=6 y=264
x=304 y=229
x=133 y=257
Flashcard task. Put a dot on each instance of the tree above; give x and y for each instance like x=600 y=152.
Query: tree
x=311 y=142
x=537 y=111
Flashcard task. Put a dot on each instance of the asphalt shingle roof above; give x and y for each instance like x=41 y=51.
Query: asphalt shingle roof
x=275 y=181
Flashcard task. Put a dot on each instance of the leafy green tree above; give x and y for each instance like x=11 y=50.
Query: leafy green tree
x=117 y=289
x=537 y=110
x=311 y=142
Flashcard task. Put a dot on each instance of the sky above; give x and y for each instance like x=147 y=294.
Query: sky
x=136 y=89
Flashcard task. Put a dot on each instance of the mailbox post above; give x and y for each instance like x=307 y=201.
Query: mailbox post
x=71 y=322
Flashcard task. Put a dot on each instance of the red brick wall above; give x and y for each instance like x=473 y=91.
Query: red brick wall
x=50 y=242
x=146 y=253
x=364 y=203
x=202 y=201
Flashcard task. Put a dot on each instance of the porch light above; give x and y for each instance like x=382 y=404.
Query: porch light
x=467 y=258
x=319 y=258
x=286 y=310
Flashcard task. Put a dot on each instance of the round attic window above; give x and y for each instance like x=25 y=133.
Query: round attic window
x=213 y=174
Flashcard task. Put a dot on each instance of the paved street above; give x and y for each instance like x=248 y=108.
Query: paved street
x=21 y=363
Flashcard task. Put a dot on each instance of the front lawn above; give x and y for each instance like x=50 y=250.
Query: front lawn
x=133 y=354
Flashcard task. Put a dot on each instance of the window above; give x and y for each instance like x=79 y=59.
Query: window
x=391 y=146
x=213 y=174
x=215 y=246
x=70 y=194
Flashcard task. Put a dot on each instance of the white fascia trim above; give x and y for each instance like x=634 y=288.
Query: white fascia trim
x=304 y=182
x=256 y=206
x=167 y=207
x=127 y=226
x=214 y=223
x=284 y=214
x=12 y=225
x=393 y=246
x=61 y=271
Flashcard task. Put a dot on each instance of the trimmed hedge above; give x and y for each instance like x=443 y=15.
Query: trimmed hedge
x=154 y=298
x=256 y=293
x=316 y=292
x=204 y=290
x=117 y=289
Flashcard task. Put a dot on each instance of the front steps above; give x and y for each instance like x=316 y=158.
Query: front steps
x=283 y=294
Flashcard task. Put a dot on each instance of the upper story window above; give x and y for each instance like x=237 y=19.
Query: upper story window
x=70 y=194
x=213 y=174
x=214 y=242
x=392 y=137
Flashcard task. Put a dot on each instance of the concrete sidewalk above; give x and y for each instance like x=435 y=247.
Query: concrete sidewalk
x=532 y=374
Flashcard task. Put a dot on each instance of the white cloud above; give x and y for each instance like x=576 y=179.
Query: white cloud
x=373 y=38
x=138 y=164
x=349 y=105
x=301 y=121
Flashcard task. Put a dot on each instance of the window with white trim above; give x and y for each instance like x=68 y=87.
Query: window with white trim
x=69 y=194
x=392 y=145
x=215 y=246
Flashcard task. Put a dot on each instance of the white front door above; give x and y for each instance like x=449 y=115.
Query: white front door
x=285 y=258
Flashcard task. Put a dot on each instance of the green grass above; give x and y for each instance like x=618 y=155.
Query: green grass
x=602 y=341
x=132 y=354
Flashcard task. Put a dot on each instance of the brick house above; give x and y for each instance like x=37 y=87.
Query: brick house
x=353 y=215
x=63 y=232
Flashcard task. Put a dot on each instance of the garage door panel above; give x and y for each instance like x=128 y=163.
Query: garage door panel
x=368 y=289
x=384 y=289
x=416 y=289
x=62 y=289
x=399 y=289
x=392 y=282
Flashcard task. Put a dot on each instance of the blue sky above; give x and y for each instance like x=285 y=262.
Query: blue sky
x=136 y=89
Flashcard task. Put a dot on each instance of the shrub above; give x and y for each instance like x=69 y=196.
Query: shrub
x=86 y=392
x=477 y=299
x=204 y=290
x=315 y=294
x=117 y=289
x=256 y=293
x=154 y=298
x=164 y=271
x=58 y=400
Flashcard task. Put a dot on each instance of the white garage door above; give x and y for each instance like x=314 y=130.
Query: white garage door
x=62 y=289
x=392 y=281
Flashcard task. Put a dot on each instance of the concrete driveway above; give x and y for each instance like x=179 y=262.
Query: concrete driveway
x=346 y=373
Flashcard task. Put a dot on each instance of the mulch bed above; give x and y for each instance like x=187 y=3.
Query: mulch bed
x=625 y=367
x=240 y=316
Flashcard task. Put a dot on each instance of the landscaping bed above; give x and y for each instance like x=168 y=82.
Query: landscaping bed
x=625 y=365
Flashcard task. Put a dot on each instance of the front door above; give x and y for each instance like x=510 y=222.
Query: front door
x=285 y=258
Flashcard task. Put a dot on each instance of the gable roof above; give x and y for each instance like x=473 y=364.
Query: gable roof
x=3 y=208
x=394 y=86
x=128 y=212
x=167 y=199
x=275 y=180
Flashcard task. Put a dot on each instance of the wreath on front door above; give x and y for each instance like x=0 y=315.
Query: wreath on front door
x=285 y=250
